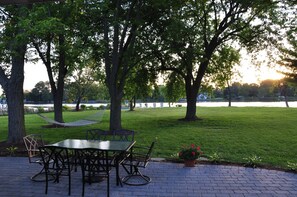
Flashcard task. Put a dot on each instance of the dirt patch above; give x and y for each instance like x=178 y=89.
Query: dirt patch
x=52 y=126
x=9 y=149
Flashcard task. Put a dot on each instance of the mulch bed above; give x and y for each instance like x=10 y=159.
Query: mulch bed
x=20 y=150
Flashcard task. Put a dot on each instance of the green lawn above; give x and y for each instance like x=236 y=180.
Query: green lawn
x=235 y=133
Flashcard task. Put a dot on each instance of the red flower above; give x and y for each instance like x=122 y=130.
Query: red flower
x=193 y=145
x=193 y=153
x=198 y=148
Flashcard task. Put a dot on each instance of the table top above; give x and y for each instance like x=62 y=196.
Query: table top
x=95 y=144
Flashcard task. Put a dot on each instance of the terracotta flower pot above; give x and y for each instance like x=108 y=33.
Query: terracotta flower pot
x=190 y=163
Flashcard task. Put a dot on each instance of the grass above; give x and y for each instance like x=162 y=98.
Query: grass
x=234 y=133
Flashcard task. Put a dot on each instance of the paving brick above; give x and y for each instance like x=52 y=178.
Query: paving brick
x=168 y=180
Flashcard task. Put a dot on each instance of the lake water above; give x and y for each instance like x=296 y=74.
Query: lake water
x=199 y=104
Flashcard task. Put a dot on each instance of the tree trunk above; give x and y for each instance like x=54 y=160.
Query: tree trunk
x=132 y=103
x=286 y=99
x=58 y=106
x=229 y=95
x=191 y=108
x=191 y=93
x=58 y=94
x=115 y=112
x=285 y=94
x=77 y=103
x=15 y=98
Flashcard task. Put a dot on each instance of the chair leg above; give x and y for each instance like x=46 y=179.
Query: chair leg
x=83 y=186
x=136 y=173
x=108 y=187
x=69 y=182
x=35 y=177
x=46 y=182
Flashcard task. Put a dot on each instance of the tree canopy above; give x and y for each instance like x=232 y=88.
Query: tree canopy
x=187 y=38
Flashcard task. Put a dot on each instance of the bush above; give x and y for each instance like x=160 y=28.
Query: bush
x=252 y=161
x=101 y=107
x=215 y=158
x=28 y=110
x=83 y=107
x=292 y=166
x=40 y=109
x=66 y=108
x=191 y=152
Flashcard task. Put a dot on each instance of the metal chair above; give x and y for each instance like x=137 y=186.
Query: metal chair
x=32 y=142
x=56 y=163
x=139 y=158
x=98 y=134
x=123 y=135
x=117 y=158
x=94 y=164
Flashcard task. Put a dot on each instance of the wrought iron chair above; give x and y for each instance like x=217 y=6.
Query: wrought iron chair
x=32 y=142
x=118 y=158
x=56 y=163
x=98 y=134
x=123 y=135
x=139 y=158
x=94 y=164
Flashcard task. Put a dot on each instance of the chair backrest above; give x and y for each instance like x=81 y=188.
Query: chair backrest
x=58 y=157
x=94 y=160
x=149 y=153
x=32 y=142
x=94 y=163
x=123 y=135
x=47 y=154
x=98 y=134
x=56 y=162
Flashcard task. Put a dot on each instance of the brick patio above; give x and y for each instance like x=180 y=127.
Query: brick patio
x=168 y=179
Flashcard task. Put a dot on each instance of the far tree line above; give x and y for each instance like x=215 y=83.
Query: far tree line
x=267 y=90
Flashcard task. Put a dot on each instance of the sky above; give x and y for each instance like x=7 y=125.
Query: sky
x=249 y=74
x=35 y=73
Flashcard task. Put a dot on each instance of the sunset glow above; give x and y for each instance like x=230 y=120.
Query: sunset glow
x=252 y=74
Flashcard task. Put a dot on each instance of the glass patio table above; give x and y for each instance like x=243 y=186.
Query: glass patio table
x=109 y=146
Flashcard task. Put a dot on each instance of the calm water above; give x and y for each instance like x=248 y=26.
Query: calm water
x=201 y=104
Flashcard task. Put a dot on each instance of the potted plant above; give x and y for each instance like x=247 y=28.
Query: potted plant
x=190 y=154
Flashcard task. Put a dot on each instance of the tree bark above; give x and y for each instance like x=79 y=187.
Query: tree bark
x=77 y=103
x=15 y=98
x=115 y=112
x=191 y=94
x=229 y=95
x=59 y=91
x=132 y=103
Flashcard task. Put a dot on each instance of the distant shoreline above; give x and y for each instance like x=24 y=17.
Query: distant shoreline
x=183 y=104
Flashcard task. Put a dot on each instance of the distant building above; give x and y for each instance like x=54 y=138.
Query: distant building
x=202 y=97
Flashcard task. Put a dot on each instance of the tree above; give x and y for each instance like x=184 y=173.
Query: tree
x=54 y=35
x=13 y=45
x=121 y=21
x=139 y=85
x=175 y=88
x=82 y=84
x=190 y=36
x=288 y=54
x=40 y=93
x=18 y=2
x=222 y=67
x=266 y=88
